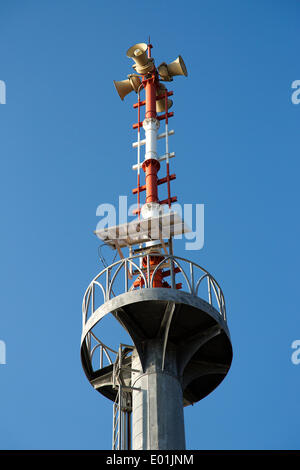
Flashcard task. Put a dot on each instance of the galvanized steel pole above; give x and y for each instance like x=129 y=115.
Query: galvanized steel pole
x=157 y=400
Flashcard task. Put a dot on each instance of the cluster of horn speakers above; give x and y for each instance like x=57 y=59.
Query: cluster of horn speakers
x=144 y=65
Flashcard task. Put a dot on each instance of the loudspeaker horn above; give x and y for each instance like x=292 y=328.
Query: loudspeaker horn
x=168 y=71
x=161 y=104
x=143 y=63
x=124 y=87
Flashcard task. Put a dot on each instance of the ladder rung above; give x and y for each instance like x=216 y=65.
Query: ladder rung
x=160 y=181
x=159 y=118
x=160 y=97
x=160 y=136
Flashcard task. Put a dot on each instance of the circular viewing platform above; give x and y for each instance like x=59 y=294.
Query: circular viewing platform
x=189 y=314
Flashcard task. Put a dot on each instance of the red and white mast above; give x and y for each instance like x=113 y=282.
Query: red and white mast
x=156 y=100
x=155 y=105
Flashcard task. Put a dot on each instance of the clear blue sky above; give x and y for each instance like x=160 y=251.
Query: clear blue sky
x=66 y=148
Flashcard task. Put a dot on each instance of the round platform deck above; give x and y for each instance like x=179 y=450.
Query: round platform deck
x=197 y=331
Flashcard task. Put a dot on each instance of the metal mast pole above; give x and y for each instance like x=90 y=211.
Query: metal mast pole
x=157 y=408
x=157 y=398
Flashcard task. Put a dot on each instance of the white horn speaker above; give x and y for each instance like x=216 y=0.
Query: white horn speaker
x=124 y=87
x=143 y=63
x=168 y=71
x=161 y=104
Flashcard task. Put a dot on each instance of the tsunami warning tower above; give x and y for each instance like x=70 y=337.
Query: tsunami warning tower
x=181 y=348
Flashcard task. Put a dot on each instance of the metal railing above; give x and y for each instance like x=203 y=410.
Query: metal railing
x=119 y=278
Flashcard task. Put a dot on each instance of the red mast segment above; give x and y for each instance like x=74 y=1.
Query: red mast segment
x=150 y=92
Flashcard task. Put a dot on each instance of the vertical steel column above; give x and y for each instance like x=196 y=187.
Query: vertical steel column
x=157 y=406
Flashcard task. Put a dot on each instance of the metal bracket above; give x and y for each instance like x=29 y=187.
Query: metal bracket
x=165 y=327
